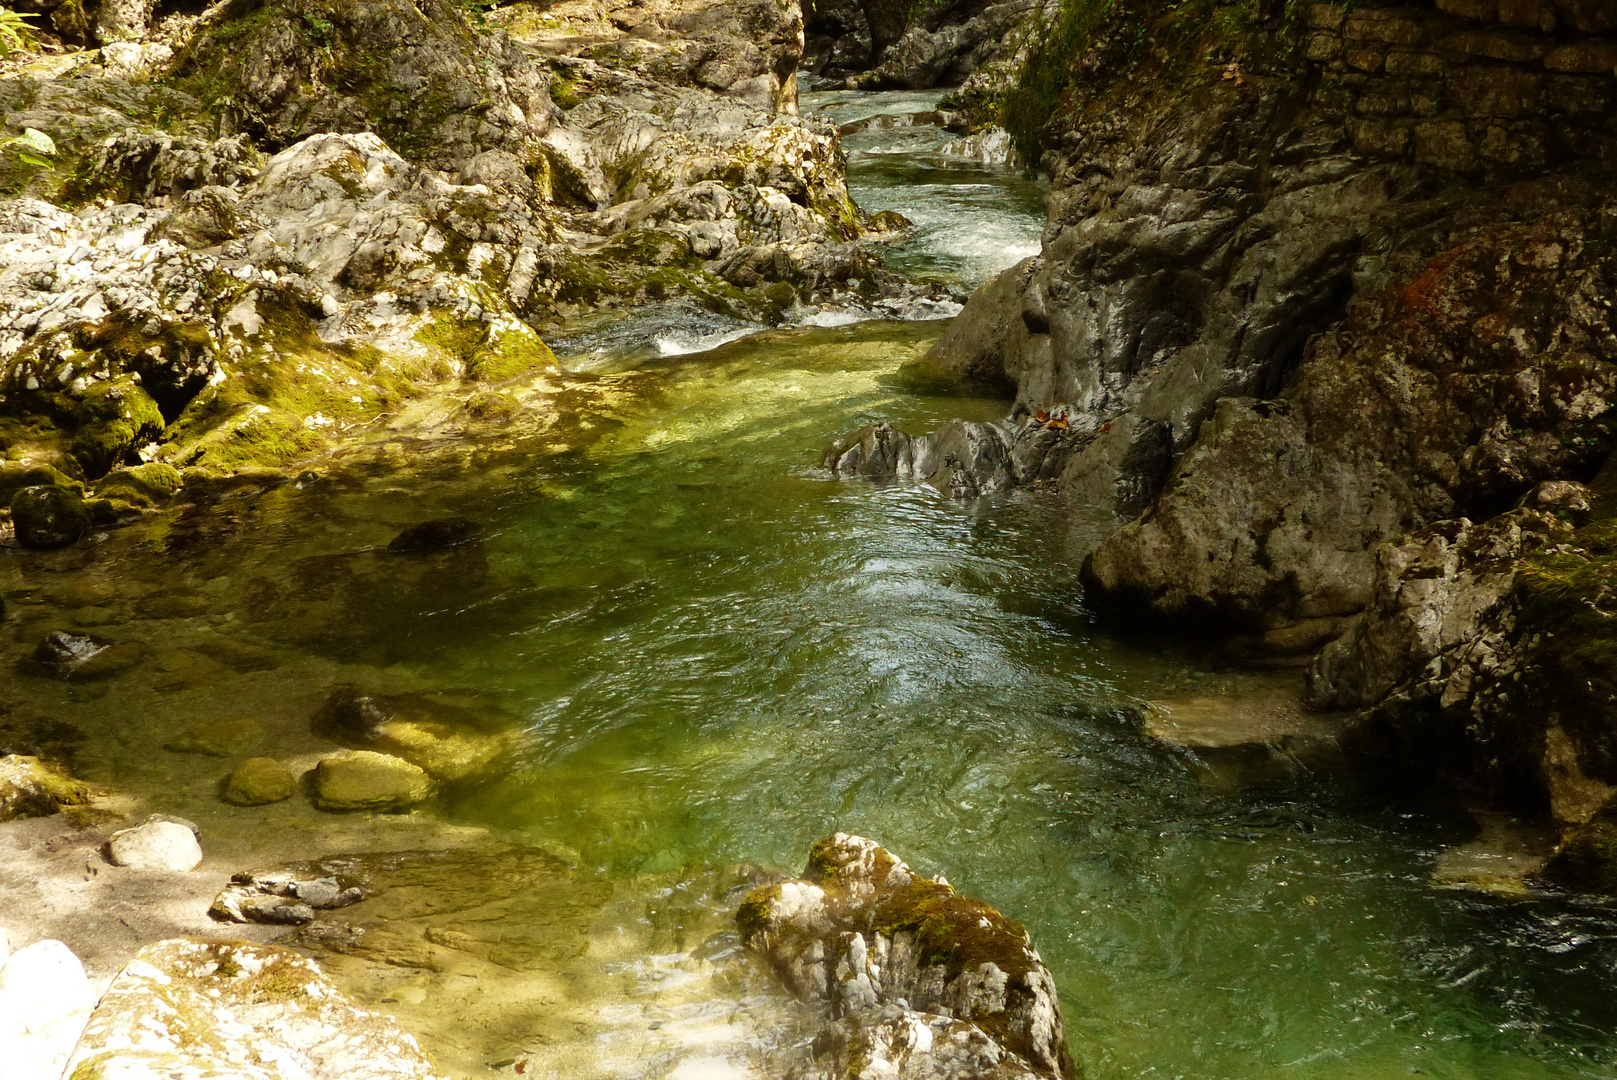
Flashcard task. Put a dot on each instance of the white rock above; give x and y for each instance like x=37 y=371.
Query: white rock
x=156 y=845
x=45 y=1001
x=5 y=947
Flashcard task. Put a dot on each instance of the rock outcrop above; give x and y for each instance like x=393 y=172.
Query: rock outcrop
x=915 y=980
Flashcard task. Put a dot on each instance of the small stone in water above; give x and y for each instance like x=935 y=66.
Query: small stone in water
x=259 y=781
x=437 y=534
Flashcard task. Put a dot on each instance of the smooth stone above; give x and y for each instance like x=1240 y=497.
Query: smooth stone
x=84 y=657
x=156 y=845
x=259 y=781
x=47 y=516
x=437 y=534
x=218 y=738
x=366 y=780
x=45 y=1000
x=186 y=1007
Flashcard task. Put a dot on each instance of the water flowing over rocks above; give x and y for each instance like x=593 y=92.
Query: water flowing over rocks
x=916 y=980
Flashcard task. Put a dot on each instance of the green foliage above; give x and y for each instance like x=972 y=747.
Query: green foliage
x=33 y=147
x=1104 y=41
x=15 y=33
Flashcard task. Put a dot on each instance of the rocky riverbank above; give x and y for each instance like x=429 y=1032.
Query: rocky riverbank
x=1323 y=315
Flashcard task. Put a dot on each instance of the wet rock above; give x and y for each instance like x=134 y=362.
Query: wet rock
x=45 y=1001
x=14 y=477
x=228 y=737
x=83 y=657
x=116 y=418
x=450 y=737
x=234 y=1008
x=30 y=787
x=259 y=781
x=437 y=535
x=962 y=458
x=366 y=780
x=144 y=485
x=1502 y=860
x=285 y=897
x=156 y=845
x=899 y=960
x=49 y=517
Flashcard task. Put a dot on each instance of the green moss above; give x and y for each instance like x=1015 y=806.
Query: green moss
x=485 y=352
x=117 y=417
x=144 y=485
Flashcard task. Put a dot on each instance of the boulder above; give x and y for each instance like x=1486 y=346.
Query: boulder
x=915 y=979
x=45 y=1000
x=366 y=780
x=30 y=787
x=259 y=781
x=143 y=485
x=116 y=418
x=230 y=1008
x=156 y=845
x=49 y=517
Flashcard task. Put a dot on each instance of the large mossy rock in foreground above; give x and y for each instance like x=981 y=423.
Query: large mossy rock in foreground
x=914 y=974
x=231 y=1008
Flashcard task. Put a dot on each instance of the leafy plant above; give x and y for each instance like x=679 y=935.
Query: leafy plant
x=32 y=146
x=15 y=33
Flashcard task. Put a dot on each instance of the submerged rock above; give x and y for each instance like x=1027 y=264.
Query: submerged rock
x=259 y=781
x=30 y=787
x=437 y=535
x=186 y=1007
x=366 y=780
x=84 y=657
x=227 y=737
x=919 y=981
x=156 y=845
x=451 y=737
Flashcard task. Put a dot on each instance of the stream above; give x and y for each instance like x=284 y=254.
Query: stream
x=718 y=655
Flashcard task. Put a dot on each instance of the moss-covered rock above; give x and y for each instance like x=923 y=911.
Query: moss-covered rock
x=30 y=787
x=144 y=485
x=366 y=780
x=48 y=516
x=227 y=737
x=117 y=418
x=259 y=781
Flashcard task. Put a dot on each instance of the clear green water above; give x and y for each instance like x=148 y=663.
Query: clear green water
x=718 y=656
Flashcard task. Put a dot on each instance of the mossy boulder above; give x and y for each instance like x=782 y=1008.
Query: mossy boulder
x=15 y=476
x=144 y=485
x=47 y=516
x=366 y=780
x=30 y=787
x=115 y=419
x=259 y=781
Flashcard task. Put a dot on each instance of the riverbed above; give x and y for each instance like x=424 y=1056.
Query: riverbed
x=715 y=654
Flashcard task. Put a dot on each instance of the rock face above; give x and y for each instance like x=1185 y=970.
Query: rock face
x=45 y=1001
x=237 y=1009
x=916 y=980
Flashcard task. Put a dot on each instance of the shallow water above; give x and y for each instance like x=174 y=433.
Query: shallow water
x=716 y=655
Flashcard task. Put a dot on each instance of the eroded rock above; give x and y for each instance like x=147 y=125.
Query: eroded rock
x=918 y=980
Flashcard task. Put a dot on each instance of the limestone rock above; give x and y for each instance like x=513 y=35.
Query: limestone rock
x=45 y=1000
x=286 y=897
x=258 y=781
x=49 y=517
x=241 y=1010
x=84 y=657
x=156 y=845
x=30 y=787
x=367 y=780
x=944 y=985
